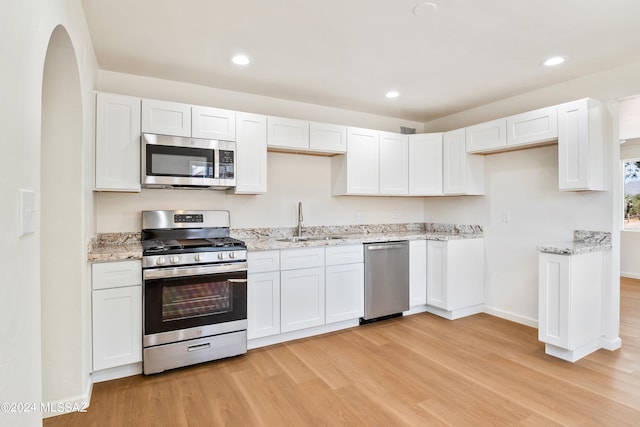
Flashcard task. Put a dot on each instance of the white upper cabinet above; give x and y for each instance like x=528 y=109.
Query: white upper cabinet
x=324 y=137
x=166 y=118
x=463 y=173
x=533 y=127
x=357 y=172
x=487 y=136
x=425 y=164
x=251 y=154
x=287 y=134
x=394 y=164
x=117 y=142
x=581 y=146
x=213 y=123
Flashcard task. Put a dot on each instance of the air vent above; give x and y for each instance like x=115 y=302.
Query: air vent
x=407 y=131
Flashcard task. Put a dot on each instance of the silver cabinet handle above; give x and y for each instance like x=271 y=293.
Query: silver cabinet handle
x=382 y=247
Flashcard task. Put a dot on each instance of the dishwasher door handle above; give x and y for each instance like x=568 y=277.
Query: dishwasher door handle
x=383 y=247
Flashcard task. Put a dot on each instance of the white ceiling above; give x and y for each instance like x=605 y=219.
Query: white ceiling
x=349 y=53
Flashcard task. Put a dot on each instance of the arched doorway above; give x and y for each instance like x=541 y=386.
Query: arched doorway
x=61 y=263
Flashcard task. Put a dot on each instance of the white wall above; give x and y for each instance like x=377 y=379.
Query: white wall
x=291 y=177
x=524 y=182
x=630 y=240
x=25 y=29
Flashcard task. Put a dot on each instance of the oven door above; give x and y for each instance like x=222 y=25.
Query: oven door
x=175 y=161
x=190 y=302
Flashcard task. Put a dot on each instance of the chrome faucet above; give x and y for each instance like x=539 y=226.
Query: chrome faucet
x=299 y=219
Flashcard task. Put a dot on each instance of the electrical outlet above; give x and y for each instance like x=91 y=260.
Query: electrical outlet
x=506 y=216
x=359 y=216
x=28 y=217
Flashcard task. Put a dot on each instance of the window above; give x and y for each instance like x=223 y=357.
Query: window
x=631 y=208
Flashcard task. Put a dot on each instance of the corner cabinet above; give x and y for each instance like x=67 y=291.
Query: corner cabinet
x=570 y=304
x=117 y=143
x=455 y=277
x=425 y=164
x=581 y=159
x=117 y=314
x=394 y=164
x=358 y=171
x=463 y=173
x=251 y=153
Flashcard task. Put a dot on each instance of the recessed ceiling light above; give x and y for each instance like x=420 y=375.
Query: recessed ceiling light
x=555 y=60
x=240 y=60
x=424 y=8
x=392 y=94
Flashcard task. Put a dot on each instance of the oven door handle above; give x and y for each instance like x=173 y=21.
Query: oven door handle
x=161 y=273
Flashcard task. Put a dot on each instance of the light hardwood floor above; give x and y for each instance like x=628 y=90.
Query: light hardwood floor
x=420 y=370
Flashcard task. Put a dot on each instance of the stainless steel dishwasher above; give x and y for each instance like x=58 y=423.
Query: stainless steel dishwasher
x=386 y=280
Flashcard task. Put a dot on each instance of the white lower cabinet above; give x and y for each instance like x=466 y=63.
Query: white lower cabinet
x=116 y=314
x=570 y=304
x=455 y=277
x=417 y=272
x=263 y=294
x=263 y=304
x=344 y=283
x=302 y=298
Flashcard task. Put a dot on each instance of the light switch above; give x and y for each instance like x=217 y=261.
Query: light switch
x=28 y=212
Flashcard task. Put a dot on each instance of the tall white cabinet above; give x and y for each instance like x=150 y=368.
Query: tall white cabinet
x=251 y=153
x=581 y=162
x=117 y=144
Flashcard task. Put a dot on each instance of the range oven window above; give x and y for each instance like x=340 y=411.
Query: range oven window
x=163 y=160
x=200 y=299
x=175 y=303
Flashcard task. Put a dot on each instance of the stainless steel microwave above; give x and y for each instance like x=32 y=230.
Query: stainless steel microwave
x=177 y=162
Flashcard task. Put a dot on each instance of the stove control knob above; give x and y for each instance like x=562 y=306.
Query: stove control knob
x=197 y=258
x=221 y=256
x=232 y=255
x=174 y=259
x=160 y=260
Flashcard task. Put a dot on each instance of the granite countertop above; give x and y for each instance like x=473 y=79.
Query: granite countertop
x=125 y=246
x=583 y=242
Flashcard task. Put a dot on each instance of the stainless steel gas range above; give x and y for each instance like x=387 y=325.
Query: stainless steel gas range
x=195 y=289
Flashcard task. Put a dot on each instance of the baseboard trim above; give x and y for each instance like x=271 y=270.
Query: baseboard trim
x=117 y=372
x=68 y=405
x=503 y=314
x=630 y=275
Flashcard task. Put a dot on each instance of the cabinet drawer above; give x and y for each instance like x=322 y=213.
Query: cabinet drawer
x=116 y=274
x=292 y=259
x=349 y=254
x=263 y=261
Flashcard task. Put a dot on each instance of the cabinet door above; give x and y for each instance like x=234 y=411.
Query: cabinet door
x=166 y=118
x=425 y=164
x=363 y=165
x=437 y=274
x=287 y=134
x=532 y=127
x=485 y=137
x=117 y=151
x=394 y=164
x=553 y=299
x=455 y=162
x=302 y=298
x=213 y=123
x=263 y=304
x=581 y=146
x=117 y=327
x=327 y=138
x=344 y=292
x=251 y=154
x=417 y=272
